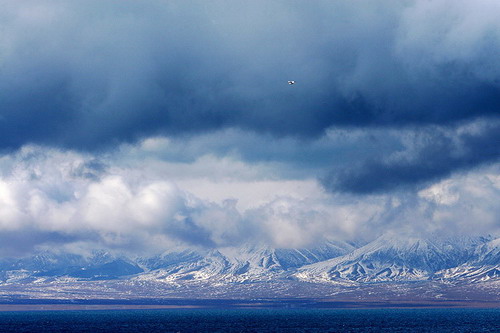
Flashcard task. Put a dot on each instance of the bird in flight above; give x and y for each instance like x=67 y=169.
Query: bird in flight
x=291 y=82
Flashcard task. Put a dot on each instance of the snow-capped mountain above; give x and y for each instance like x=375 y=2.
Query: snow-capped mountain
x=252 y=262
x=391 y=258
x=99 y=265
x=488 y=253
x=483 y=266
x=387 y=258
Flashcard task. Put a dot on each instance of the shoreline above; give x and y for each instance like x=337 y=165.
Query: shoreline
x=169 y=304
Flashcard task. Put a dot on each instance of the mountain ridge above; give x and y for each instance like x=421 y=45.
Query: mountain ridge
x=386 y=259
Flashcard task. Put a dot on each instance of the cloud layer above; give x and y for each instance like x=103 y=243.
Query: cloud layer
x=70 y=201
x=118 y=71
x=124 y=124
x=92 y=75
x=433 y=153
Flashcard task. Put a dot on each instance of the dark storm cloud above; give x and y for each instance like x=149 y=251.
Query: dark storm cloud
x=435 y=157
x=93 y=74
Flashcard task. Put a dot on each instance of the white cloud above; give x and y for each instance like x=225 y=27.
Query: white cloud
x=465 y=203
x=124 y=205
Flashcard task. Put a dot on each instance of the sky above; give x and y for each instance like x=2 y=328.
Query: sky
x=143 y=126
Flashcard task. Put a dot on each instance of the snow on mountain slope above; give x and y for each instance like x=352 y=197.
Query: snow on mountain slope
x=390 y=258
x=387 y=258
x=99 y=265
x=249 y=262
x=488 y=253
x=483 y=266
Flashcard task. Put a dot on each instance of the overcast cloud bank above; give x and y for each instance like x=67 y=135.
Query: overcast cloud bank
x=66 y=200
x=126 y=124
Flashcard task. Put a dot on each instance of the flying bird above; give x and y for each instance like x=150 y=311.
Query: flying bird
x=291 y=82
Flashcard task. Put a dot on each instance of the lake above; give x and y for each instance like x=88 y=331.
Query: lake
x=254 y=320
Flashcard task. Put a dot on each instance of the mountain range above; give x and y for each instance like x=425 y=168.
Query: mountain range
x=386 y=261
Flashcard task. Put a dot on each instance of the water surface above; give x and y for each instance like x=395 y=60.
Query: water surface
x=254 y=320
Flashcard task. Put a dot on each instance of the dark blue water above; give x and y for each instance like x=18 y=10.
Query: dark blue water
x=255 y=320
